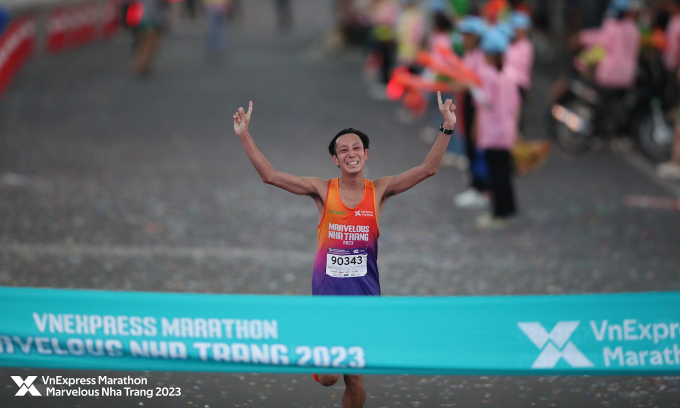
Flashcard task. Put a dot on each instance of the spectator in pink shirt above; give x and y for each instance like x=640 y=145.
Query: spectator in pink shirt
x=620 y=38
x=520 y=55
x=472 y=28
x=619 y=45
x=497 y=103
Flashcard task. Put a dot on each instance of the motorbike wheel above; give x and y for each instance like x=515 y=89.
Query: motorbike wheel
x=655 y=141
x=567 y=139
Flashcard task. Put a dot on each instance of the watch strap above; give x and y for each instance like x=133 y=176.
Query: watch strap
x=445 y=130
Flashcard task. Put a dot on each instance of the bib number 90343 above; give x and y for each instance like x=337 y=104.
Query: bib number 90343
x=346 y=263
x=346 y=260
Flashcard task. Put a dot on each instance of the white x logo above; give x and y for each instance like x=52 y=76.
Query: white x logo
x=558 y=344
x=26 y=386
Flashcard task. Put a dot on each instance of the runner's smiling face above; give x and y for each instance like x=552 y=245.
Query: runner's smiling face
x=350 y=153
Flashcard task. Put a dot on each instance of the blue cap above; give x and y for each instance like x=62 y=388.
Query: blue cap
x=437 y=5
x=472 y=25
x=618 y=6
x=506 y=28
x=520 y=20
x=494 y=41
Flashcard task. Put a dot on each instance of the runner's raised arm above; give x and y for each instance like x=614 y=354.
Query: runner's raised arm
x=389 y=186
x=310 y=186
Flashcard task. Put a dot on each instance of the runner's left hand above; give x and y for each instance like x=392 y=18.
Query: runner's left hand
x=447 y=110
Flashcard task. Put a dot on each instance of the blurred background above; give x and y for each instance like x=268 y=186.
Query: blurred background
x=120 y=170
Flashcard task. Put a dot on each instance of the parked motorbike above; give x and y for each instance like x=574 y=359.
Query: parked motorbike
x=586 y=114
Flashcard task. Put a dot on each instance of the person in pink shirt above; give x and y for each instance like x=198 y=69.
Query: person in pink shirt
x=472 y=28
x=520 y=53
x=520 y=56
x=615 y=49
x=497 y=101
x=440 y=36
x=620 y=39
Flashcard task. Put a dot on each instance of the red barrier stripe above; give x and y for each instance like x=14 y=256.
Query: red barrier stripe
x=16 y=47
x=75 y=26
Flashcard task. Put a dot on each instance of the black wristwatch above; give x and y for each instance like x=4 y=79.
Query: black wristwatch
x=445 y=131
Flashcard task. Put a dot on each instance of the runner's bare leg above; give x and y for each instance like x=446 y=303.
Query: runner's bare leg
x=355 y=393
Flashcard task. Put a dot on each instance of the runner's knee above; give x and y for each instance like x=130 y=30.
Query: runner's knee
x=328 y=379
x=354 y=381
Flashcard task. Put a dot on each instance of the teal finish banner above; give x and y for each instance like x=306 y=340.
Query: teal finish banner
x=610 y=334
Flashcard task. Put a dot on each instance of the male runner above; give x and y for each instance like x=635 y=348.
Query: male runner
x=349 y=210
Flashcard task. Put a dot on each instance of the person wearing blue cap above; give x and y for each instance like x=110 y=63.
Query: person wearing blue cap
x=472 y=28
x=610 y=57
x=506 y=28
x=520 y=54
x=619 y=38
x=497 y=104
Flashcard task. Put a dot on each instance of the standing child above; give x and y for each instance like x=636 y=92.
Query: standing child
x=497 y=104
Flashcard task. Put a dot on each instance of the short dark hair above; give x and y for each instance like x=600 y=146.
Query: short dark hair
x=362 y=136
x=441 y=22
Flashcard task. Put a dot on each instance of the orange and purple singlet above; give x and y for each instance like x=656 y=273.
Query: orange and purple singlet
x=346 y=259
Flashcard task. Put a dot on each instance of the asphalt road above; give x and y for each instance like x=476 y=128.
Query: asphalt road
x=112 y=182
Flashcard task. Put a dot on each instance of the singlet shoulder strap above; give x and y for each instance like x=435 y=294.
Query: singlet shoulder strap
x=332 y=186
x=333 y=190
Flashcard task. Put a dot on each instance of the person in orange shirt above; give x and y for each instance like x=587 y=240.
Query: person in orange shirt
x=349 y=210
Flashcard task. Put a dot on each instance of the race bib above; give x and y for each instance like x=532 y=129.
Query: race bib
x=346 y=263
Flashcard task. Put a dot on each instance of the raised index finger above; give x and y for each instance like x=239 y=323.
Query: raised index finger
x=250 y=108
x=439 y=99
